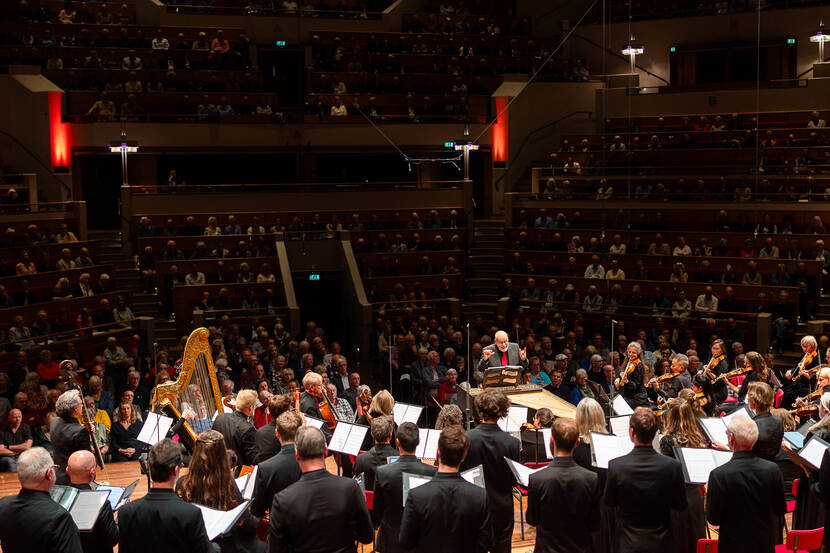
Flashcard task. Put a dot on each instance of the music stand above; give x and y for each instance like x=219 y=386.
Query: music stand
x=502 y=377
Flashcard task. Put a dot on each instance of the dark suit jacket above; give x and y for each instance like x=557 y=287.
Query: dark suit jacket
x=104 y=534
x=320 y=512
x=30 y=521
x=489 y=445
x=563 y=503
x=824 y=479
x=162 y=523
x=274 y=475
x=267 y=444
x=310 y=405
x=644 y=487
x=368 y=462
x=388 y=500
x=770 y=434
x=746 y=498
x=446 y=514
x=495 y=360
x=67 y=437
x=239 y=434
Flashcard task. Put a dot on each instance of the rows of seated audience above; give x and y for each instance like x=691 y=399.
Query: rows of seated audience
x=341 y=9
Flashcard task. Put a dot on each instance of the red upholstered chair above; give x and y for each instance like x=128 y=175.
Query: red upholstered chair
x=801 y=541
x=779 y=395
x=707 y=546
x=791 y=504
x=370 y=499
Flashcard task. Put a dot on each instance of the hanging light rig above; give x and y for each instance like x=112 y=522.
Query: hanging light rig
x=632 y=49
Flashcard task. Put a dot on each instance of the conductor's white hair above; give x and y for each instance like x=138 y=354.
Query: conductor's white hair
x=501 y=334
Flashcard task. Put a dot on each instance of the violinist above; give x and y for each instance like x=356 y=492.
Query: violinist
x=822 y=386
x=759 y=372
x=716 y=366
x=797 y=380
x=705 y=394
x=533 y=447
x=383 y=404
x=312 y=397
x=678 y=379
x=363 y=400
x=630 y=383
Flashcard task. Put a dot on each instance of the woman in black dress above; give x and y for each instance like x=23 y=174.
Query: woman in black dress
x=591 y=418
x=681 y=430
x=124 y=445
x=631 y=382
x=705 y=394
x=809 y=509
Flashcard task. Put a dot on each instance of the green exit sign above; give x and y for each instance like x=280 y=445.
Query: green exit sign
x=672 y=49
x=281 y=43
x=314 y=276
x=790 y=41
x=449 y=144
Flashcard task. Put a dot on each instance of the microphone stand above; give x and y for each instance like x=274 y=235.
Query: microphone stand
x=469 y=382
x=611 y=397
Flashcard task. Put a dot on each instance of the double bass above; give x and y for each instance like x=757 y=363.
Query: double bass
x=87 y=421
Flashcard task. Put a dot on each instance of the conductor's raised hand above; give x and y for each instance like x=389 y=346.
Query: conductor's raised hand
x=487 y=354
x=523 y=354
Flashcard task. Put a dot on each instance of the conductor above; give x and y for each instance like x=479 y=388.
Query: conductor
x=501 y=353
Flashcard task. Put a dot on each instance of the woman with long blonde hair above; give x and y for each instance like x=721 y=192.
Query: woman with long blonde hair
x=591 y=418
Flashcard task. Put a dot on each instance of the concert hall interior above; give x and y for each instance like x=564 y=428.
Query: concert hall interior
x=414 y=276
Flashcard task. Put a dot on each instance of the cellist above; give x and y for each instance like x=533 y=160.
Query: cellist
x=312 y=398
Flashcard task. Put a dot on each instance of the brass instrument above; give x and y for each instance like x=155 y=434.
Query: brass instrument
x=195 y=394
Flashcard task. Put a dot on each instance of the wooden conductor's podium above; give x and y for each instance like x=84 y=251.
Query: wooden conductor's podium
x=507 y=380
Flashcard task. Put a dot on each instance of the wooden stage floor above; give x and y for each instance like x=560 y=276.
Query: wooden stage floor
x=122 y=474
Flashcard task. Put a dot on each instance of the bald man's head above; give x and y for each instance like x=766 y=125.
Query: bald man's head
x=81 y=467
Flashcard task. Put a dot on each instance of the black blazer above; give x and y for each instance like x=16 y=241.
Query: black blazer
x=563 y=503
x=489 y=445
x=746 y=498
x=274 y=475
x=31 y=521
x=267 y=443
x=162 y=523
x=104 y=535
x=239 y=434
x=368 y=462
x=446 y=514
x=770 y=434
x=644 y=487
x=67 y=437
x=388 y=500
x=320 y=512
x=824 y=479
x=310 y=406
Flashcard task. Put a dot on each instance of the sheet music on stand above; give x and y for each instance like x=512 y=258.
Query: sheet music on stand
x=606 y=447
x=699 y=462
x=502 y=377
x=516 y=417
x=619 y=425
x=428 y=443
x=621 y=406
x=403 y=412
x=155 y=428
x=546 y=433
x=348 y=438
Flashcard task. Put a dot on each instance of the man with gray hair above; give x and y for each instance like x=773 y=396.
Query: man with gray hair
x=66 y=434
x=674 y=381
x=345 y=519
x=31 y=520
x=751 y=482
x=502 y=352
x=368 y=462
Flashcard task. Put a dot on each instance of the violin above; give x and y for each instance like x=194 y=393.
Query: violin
x=665 y=377
x=808 y=357
x=629 y=370
x=734 y=374
x=226 y=401
x=713 y=362
x=806 y=410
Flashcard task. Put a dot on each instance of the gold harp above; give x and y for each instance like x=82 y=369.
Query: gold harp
x=195 y=394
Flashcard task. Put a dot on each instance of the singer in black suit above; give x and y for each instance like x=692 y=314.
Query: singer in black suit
x=489 y=445
x=104 y=535
x=321 y=511
x=161 y=522
x=563 y=498
x=281 y=470
x=502 y=352
x=368 y=462
x=388 y=503
x=236 y=428
x=31 y=521
x=746 y=495
x=644 y=486
x=267 y=444
x=447 y=513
